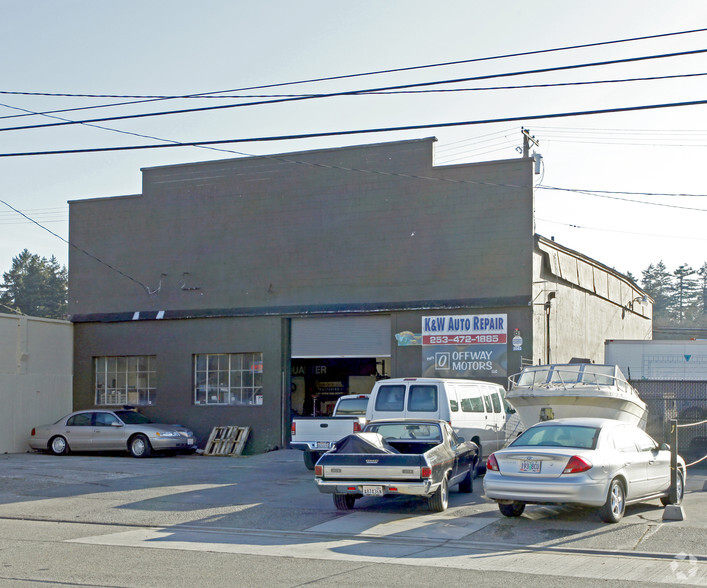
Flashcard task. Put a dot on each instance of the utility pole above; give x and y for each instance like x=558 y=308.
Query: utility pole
x=527 y=140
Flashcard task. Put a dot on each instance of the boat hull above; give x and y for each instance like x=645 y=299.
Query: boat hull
x=536 y=407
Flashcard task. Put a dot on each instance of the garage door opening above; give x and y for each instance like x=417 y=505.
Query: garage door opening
x=318 y=383
x=335 y=356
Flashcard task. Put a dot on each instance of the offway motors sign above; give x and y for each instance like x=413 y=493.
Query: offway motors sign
x=466 y=346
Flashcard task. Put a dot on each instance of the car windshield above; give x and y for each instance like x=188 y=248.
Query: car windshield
x=553 y=435
x=407 y=431
x=131 y=417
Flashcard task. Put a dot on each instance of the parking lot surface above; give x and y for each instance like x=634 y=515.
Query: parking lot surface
x=268 y=505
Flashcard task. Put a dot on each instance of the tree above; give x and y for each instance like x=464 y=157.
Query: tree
x=35 y=286
x=683 y=292
x=657 y=281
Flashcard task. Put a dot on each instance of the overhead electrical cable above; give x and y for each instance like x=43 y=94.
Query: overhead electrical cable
x=623 y=232
x=371 y=73
x=599 y=192
x=357 y=92
x=363 y=131
x=138 y=282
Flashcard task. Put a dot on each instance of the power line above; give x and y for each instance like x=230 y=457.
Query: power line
x=362 y=74
x=362 y=131
x=545 y=220
x=138 y=282
x=599 y=192
x=358 y=92
x=371 y=93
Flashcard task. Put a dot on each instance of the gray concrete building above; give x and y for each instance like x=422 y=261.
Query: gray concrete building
x=242 y=291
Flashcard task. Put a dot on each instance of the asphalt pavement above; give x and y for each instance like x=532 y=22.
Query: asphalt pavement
x=268 y=505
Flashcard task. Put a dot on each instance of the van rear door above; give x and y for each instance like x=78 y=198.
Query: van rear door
x=422 y=402
x=389 y=402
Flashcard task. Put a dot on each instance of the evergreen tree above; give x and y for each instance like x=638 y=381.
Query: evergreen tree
x=683 y=293
x=657 y=281
x=35 y=286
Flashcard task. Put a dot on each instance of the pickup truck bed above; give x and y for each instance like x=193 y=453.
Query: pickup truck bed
x=369 y=464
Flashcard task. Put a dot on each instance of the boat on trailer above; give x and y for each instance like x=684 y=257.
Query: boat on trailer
x=544 y=392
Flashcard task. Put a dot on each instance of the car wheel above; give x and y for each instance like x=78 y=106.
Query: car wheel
x=344 y=501
x=514 y=509
x=440 y=499
x=58 y=445
x=140 y=446
x=680 y=491
x=310 y=459
x=615 y=505
x=467 y=484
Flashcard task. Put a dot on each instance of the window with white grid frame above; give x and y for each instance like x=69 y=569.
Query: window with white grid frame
x=125 y=379
x=228 y=378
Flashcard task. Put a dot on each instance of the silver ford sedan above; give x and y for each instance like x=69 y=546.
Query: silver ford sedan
x=111 y=430
x=588 y=461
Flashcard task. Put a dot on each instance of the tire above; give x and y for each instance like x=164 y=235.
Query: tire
x=439 y=501
x=344 y=501
x=681 y=491
x=467 y=484
x=58 y=445
x=311 y=458
x=140 y=446
x=514 y=509
x=615 y=505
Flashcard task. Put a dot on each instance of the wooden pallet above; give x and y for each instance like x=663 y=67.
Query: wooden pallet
x=227 y=441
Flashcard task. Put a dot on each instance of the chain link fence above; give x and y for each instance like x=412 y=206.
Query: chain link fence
x=685 y=401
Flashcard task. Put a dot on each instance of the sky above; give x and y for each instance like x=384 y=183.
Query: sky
x=627 y=188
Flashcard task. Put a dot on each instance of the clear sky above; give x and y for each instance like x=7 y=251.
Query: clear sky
x=179 y=47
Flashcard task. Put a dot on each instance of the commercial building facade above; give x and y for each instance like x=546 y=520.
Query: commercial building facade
x=243 y=291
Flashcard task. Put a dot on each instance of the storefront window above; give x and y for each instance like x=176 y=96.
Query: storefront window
x=121 y=380
x=228 y=378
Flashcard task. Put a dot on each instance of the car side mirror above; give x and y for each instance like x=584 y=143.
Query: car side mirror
x=461 y=440
x=664 y=447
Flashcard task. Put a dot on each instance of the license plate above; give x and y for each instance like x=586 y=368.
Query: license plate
x=190 y=441
x=373 y=490
x=323 y=445
x=530 y=466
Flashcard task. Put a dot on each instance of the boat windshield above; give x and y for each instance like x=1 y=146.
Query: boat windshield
x=567 y=374
x=601 y=375
x=533 y=376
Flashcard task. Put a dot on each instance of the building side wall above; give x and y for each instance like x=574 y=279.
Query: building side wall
x=583 y=313
x=35 y=376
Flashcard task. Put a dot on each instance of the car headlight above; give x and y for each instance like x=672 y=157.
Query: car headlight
x=168 y=434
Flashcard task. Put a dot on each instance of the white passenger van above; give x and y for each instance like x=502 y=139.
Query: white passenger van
x=476 y=410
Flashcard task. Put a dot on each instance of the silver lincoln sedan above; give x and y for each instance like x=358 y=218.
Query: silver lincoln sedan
x=111 y=430
x=595 y=462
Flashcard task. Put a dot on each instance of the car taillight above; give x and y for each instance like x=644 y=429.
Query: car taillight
x=293 y=427
x=318 y=471
x=491 y=463
x=33 y=432
x=576 y=464
x=357 y=427
x=426 y=472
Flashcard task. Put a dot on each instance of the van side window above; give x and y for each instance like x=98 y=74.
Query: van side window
x=422 y=399
x=496 y=402
x=473 y=404
x=487 y=402
x=452 y=396
x=390 y=398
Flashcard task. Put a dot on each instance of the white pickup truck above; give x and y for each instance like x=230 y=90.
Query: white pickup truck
x=316 y=435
